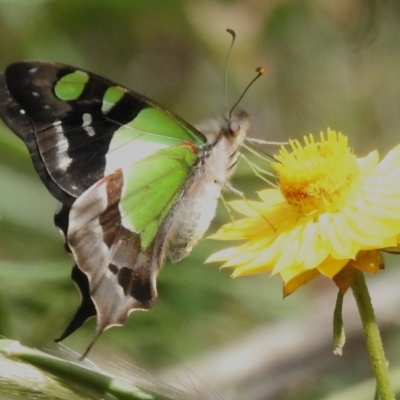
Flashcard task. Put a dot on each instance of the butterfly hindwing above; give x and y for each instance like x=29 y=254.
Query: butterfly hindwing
x=118 y=230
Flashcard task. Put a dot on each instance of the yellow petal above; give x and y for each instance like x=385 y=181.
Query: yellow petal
x=290 y=249
x=390 y=161
x=309 y=236
x=271 y=196
x=367 y=261
x=243 y=229
x=248 y=208
x=222 y=255
x=331 y=266
x=244 y=271
x=376 y=209
x=342 y=231
x=298 y=281
x=392 y=249
x=369 y=162
x=368 y=229
x=332 y=235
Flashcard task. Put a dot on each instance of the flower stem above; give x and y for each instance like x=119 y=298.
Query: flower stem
x=339 y=336
x=372 y=336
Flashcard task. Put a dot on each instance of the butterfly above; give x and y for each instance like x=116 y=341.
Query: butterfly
x=137 y=184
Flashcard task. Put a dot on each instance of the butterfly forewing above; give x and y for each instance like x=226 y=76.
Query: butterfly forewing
x=79 y=126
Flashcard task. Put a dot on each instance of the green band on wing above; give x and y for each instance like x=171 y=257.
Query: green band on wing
x=111 y=97
x=152 y=130
x=71 y=86
x=157 y=122
x=151 y=187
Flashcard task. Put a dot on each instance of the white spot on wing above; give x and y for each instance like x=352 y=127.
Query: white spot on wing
x=33 y=70
x=126 y=152
x=86 y=125
x=61 y=147
x=35 y=94
x=22 y=111
x=86 y=233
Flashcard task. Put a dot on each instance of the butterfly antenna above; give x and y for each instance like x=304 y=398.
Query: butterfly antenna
x=233 y=34
x=259 y=71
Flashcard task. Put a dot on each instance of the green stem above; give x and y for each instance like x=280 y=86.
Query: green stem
x=373 y=338
x=339 y=336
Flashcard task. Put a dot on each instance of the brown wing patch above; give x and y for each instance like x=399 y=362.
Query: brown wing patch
x=121 y=275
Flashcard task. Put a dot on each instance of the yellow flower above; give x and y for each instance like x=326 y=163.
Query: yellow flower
x=330 y=216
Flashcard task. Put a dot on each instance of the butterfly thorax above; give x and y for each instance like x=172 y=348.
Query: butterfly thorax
x=213 y=170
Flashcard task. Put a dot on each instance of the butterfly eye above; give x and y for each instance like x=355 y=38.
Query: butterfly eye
x=234 y=128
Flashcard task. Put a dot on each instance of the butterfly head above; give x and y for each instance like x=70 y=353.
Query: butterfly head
x=231 y=129
x=237 y=126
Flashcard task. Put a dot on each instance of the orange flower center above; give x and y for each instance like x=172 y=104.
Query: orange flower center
x=317 y=177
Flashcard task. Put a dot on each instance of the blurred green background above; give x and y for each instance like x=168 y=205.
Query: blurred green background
x=328 y=63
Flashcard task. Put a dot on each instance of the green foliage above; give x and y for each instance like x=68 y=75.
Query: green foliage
x=34 y=374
